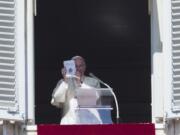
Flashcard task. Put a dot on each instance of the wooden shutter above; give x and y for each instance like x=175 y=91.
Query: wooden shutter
x=176 y=55
x=12 y=60
x=7 y=55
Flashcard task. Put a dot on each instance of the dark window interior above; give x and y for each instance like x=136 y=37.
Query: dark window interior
x=114 y=38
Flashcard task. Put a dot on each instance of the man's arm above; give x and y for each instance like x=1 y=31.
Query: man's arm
x=58 y=95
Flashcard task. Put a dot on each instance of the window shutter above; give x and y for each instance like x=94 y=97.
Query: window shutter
x=175 y=55
x=166 y=62
x=12 y=60
x=7 y=55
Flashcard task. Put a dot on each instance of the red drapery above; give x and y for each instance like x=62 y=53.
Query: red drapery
x=112 y=129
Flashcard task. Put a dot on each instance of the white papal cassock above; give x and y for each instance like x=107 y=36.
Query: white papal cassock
x=64 y=98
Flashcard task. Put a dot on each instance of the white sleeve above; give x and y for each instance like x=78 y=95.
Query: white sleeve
x=59 y=94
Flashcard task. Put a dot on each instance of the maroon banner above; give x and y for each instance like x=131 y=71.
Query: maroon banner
x=112 y=129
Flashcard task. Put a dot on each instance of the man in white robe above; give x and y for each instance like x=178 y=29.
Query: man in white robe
x=64 y=98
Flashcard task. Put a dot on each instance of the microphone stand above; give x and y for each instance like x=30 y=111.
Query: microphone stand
x=112 y=92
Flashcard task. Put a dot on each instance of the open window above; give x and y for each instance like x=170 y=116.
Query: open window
x=114 y=38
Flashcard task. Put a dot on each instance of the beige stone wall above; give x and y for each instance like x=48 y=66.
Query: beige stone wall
x=31 y=130
x=171 y=128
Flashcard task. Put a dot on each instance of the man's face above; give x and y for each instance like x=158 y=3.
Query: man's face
x=80 y=66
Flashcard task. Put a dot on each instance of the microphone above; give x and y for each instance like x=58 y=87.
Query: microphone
x=112 y=92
